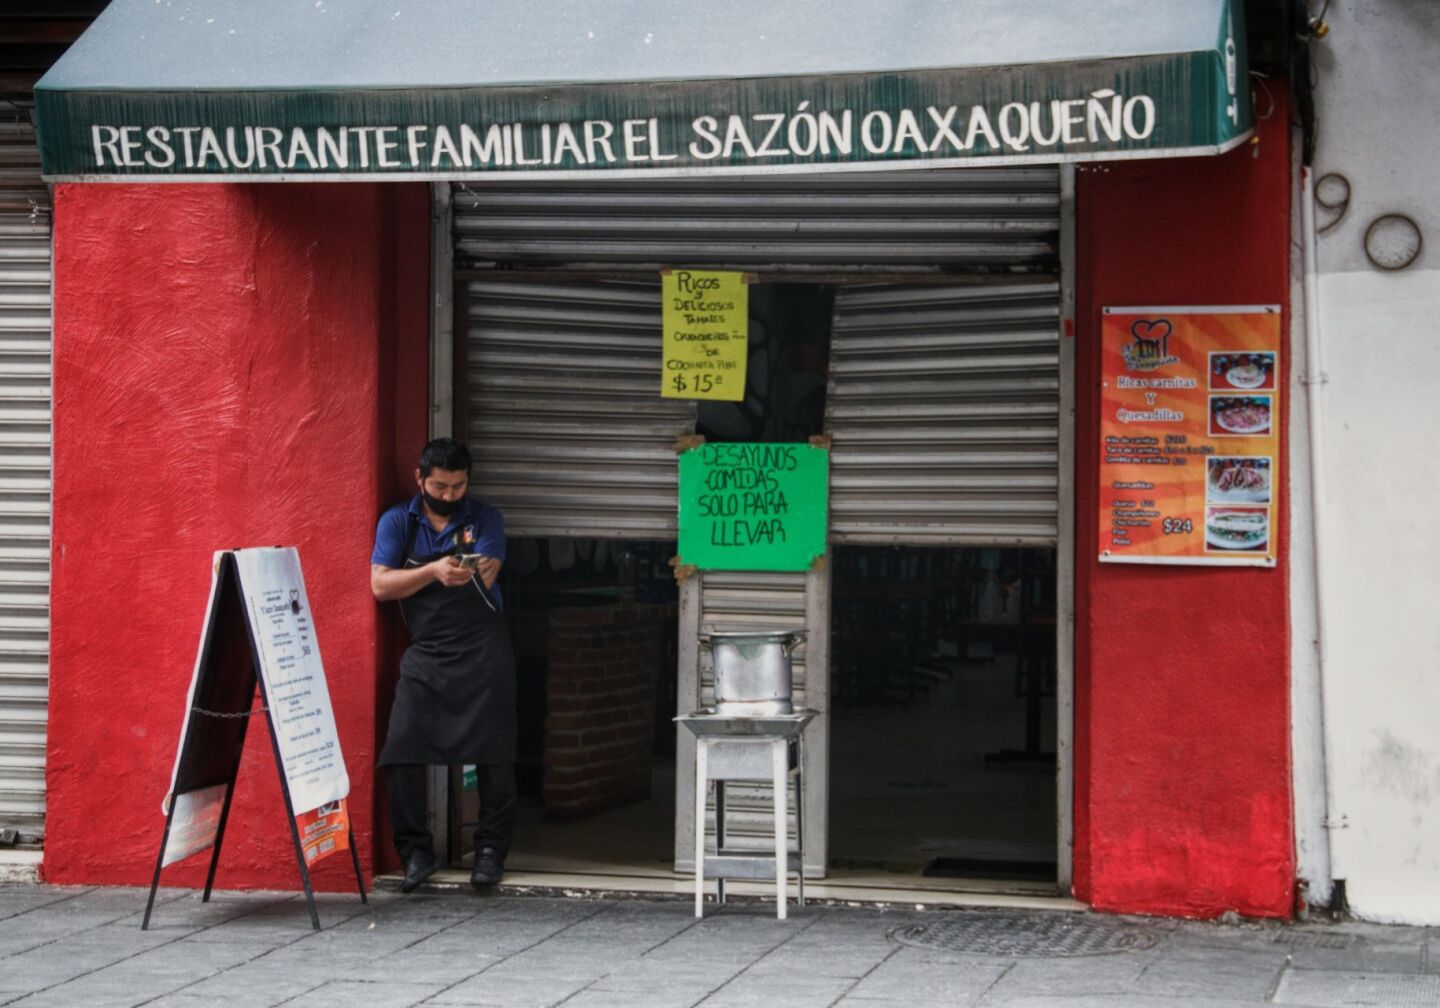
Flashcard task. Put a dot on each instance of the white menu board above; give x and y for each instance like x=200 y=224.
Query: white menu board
x=302 y=719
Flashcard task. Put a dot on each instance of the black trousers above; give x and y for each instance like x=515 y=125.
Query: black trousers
x=496 y=828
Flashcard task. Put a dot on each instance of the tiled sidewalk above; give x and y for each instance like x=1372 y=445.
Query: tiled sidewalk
x=72 y=947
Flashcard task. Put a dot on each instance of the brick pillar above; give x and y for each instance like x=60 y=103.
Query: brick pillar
x=604 y=663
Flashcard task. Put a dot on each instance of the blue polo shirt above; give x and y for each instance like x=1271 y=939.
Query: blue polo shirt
x=473 y=528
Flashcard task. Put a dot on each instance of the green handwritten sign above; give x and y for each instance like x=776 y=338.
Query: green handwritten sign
x=760 y=507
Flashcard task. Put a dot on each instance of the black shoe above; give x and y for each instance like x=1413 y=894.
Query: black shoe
x=419 y=866
x=489 y=867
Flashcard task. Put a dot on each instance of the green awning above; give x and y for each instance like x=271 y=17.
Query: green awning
x=461 y=89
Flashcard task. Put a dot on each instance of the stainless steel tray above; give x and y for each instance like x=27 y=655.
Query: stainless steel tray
x=706 y=722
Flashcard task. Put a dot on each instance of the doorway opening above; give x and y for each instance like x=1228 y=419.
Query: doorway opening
x=943 y=722
x=593 y=623
x=937 y=738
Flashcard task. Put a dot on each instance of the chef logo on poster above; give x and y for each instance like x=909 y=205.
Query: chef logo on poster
x=1150 y=348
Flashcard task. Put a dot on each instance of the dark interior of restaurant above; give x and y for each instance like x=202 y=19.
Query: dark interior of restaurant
x=942 y=676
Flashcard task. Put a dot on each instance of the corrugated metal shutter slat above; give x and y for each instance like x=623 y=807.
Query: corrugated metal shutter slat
x=918 y=221
x=564 y=417
x=943 y=410
x=25 y=305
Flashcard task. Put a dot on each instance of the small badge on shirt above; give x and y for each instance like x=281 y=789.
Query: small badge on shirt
x=468 y=535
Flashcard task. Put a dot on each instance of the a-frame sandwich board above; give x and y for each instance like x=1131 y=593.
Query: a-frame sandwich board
x=257 y=636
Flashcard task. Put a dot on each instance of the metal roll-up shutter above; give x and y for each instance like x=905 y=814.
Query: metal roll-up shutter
x=920 y=221
x=750 y=600
x=562 y=408
x=943 y=409
x=24 y=476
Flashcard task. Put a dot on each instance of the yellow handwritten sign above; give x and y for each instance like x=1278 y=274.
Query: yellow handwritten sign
x=707 y=334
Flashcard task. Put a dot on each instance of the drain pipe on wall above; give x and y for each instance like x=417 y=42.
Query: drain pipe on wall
x=1314 y=381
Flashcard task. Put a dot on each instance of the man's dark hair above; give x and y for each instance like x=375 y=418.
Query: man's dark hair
x=444 y=453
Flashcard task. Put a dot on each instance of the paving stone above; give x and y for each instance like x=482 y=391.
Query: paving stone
x=789 y=961
x=632 y=928
x=748 y=989
x=579 y=971
x=253 y=982
x=907 y=977
x=132 y=980
x=509 y=992
x=88 y=899
x=424 y=916
x=225 y=915
x=850 y=1001
x=1361 y=957
x=616 y=947
x=47 y=966
x=336 y=993
x=648 y=972
x=357 y=943
x=1113 y=974
x=17 y=900
x=181 y=999
x=1215 y=973
x=24 y=934
x=778 y=999
x=102 y=991
x=1213 y=934
x=142 y=976
x=1334 y=989
x=443 y=968
x=595 y=997
x=1110 y=1001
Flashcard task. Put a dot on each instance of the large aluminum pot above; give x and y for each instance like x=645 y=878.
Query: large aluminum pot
x=752 y=671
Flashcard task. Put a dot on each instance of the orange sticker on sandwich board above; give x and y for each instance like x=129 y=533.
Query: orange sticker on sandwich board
x=1190 y=435
x=324 y=830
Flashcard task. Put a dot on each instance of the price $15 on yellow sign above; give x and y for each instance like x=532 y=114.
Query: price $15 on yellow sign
x=707 y=333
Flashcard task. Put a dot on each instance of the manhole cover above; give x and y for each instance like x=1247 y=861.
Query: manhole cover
x=1018 y=935
x=1310 y=939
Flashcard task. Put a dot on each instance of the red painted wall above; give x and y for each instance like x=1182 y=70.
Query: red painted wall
x=1183 y=800
x=235 y=365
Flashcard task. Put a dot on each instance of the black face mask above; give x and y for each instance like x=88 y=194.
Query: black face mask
x=443 y=508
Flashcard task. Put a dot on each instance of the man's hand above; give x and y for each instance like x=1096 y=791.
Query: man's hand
x=388 y=583
x=448 y=572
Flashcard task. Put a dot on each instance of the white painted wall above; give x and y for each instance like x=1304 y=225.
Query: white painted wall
x=1378 y=112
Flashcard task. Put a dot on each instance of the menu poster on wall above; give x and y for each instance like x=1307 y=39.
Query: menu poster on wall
x=757 y=507
x=705 y=316
x=1190 y=435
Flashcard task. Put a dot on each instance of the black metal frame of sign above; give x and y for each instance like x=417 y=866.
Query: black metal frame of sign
x=227 y=676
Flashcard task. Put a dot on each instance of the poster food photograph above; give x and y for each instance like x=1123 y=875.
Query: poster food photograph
x=1189 y=435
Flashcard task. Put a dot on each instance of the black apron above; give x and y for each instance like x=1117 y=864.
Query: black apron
x=455 y=701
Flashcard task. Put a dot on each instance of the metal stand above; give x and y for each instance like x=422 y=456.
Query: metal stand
x=749 y=749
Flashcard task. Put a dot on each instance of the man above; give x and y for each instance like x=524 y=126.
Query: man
x=455 y=701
